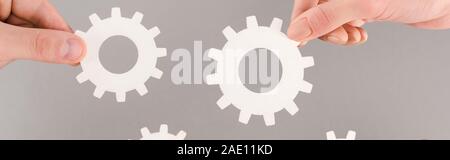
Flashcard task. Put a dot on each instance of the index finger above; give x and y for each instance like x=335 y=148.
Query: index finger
x=41 y=13
x=301 y=6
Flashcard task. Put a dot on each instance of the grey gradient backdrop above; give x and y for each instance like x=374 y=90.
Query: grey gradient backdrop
x=396 y=86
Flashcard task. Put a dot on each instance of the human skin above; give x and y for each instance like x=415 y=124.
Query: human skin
x=34 y=30
x=340 y=21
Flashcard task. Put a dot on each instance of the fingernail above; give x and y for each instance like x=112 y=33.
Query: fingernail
x=334 y=39
x=300 y=29
x=71 y=29
x=72 y=50
x=302 y=44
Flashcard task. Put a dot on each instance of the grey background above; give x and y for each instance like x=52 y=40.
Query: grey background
x=396 y=86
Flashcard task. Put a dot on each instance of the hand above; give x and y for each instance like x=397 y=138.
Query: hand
x=34 y=30
x=340 y=21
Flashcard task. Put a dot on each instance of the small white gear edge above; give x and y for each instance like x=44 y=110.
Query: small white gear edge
x=163 y=134
x=250 y=103
x=351 y=135
x=145 y=66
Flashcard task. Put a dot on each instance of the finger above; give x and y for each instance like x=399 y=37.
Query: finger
x=40 y=45
x=303 y=44
x=300 y=6
x=439 y=23
x=328 y=16
x=14 y=20
x=76 y=64
x=3 y=64
x=354 y=36
x=5 y=9
x=338 y=36
x=41 y=13
x=364 y=35
x=357 y=23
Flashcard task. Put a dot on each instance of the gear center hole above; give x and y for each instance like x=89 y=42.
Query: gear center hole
x=260 y=70
x=118 y=54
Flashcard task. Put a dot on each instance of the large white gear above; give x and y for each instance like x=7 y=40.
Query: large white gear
x=235 y=93
x=145 y=66
x=351 y=135
x=163 y=134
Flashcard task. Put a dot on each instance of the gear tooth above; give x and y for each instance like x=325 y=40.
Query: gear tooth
x=269 y=119
x=95 y=19
x=181 y=135
x=164 y=128
x=121 y=96
x=99 y=92
x=307 y=62
x=145 y=132
x=82 y=77
x=223 y=102
x=156 y=73
x=154 y=32
x=244 y=117
x=277 y=24
x=215 y=54
x=161 y=52
x=331 y=135
x=252 y=22
x=115 y=12
x=305 y=87
x=213 y=79
x=229 y=33
x=137 y=17
x=291 y=107
x=351 y=135
x=80 y=34
x=142 y=90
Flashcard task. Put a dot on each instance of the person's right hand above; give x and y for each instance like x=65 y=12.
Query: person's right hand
x=340 y=21
x=34 y=30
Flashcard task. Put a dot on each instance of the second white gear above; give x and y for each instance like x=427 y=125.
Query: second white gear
x=145 y=66
x=227 y=72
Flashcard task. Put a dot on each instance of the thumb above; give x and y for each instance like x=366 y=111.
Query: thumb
x=328 y=16
x=40 y=45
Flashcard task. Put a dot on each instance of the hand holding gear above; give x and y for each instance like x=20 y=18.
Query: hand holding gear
x=145 y=66
x=227 y=72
